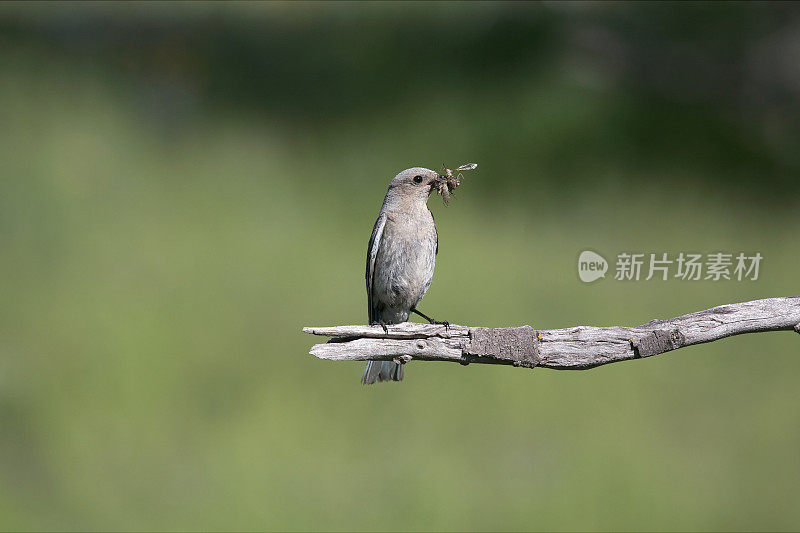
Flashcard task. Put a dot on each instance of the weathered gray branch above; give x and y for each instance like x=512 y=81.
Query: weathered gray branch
x=573 y=348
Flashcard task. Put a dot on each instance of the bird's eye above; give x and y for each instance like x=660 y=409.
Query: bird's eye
x=417 y=179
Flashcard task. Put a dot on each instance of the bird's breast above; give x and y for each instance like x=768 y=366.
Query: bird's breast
x=406 y=259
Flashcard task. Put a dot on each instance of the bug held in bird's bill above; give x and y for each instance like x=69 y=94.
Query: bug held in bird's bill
x=448 y=182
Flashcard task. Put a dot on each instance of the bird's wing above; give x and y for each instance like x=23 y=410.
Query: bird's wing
x=435 y=232
x=372 y=253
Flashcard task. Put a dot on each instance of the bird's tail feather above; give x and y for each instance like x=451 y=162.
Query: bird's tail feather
x=382 y=371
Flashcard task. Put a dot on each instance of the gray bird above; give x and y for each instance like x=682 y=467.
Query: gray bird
x=400 y=259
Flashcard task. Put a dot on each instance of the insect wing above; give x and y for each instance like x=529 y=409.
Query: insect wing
x=445 y=192
x=468 y=166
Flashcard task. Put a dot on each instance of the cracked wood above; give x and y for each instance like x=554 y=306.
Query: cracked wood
x=572 y=348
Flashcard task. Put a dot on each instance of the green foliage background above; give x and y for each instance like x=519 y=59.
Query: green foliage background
x=184 y=186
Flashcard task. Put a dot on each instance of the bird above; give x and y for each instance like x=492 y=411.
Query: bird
x=401 y=257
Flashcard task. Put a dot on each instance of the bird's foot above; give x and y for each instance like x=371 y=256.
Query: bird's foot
x=444 y=323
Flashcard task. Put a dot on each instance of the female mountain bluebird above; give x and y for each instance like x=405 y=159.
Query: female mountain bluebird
x=400 y=258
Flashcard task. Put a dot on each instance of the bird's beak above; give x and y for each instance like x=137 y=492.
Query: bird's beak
x=434 y=183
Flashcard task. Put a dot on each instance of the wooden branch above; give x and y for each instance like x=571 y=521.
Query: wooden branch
x=572 y=348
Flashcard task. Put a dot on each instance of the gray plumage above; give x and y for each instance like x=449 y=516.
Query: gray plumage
x=400 y=258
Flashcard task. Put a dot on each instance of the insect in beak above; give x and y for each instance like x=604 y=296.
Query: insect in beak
x=447 y=182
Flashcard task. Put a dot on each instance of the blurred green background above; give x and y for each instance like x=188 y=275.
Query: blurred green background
x=184 y=186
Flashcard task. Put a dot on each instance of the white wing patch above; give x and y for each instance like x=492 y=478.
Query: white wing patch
x=372 y=253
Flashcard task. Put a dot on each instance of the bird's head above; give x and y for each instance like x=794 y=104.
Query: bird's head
x=414 y=183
